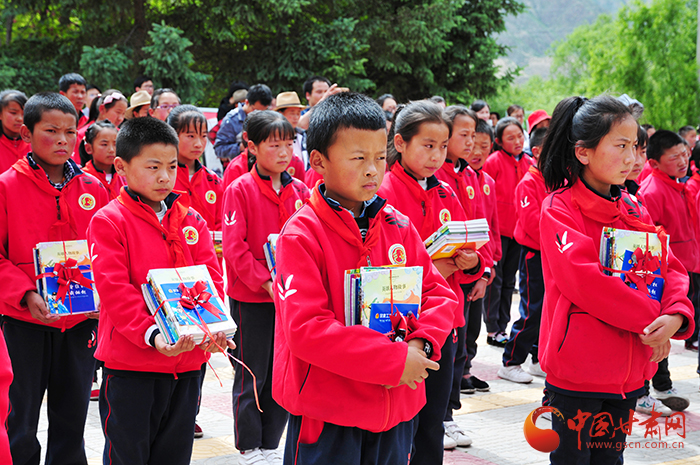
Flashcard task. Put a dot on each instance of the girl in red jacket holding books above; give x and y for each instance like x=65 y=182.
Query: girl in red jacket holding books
x=417 y=148
x=599 y=338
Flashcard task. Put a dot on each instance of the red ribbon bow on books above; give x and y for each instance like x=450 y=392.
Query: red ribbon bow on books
x=197 y=295
x=402 y=326
x=643 y=267
x=67 y=272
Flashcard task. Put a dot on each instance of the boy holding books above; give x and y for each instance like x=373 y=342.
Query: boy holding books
x=352 y=393
x=148 y=397
x=47 y=352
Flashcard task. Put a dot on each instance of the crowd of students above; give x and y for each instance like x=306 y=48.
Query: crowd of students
x=347 y=182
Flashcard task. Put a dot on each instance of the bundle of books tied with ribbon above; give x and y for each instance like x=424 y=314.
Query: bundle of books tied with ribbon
x=270 y=250
x=386 y=299
x=455 y=235
x=639 y=258
x=64 y=277
x=184 y=301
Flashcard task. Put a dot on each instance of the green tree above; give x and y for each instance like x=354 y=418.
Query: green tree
x=105 y=67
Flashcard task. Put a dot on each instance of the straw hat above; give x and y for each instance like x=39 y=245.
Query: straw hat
x=138 y=99
x=288 y=100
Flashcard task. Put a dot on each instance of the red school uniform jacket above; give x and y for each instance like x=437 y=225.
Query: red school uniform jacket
x=487 y=194
x=529 y=194
x=323 y=369
x=239 y=166
x=113 y=186
x=126 y=241
x=692 y=185
x=204 y=191
x=33 y=211
x=671 y=207
x=253 y=211
x=11 y=151
x=507 y=172
x=589 y=335
x=427 y=210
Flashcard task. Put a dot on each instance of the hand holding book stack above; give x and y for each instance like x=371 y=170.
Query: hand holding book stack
x=455 y=235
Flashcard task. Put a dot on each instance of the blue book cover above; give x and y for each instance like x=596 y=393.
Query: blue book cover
x=656 y=288
x=379 y=318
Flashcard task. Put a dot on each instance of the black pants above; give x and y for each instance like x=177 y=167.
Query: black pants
x=430 y=432
x=661 y=379
x=694 y=296
x=589 y=450
x=148 y=420
x=342 y=445
x=255 y=341
x=500 y=293
x=460 y=356
x=62 y=363
x=525 y=332
x=473 y=316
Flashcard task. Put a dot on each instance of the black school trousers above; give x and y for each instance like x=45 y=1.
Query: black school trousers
x=499 y=294
x=255 y=340
x=44 y=359
x=148 y=418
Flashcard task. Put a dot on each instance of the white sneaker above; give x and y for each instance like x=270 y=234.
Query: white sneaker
x=252 y=457
x=646 y=404
x=536 y=370
x=514 y=373
x=672 y=399
x=273 y=456
x=448 y=443
x=453 y=431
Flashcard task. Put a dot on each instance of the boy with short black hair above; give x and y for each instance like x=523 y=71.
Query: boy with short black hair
x=148 y=398
x=74 y=86
x=229 y=137
x=351 y=392
x=665 y=196
x=144 y=83
x=47 y=352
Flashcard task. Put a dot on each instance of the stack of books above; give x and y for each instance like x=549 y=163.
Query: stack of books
x=217 y=238
x=64 y=277
x=624 y=252
x=201 y=314
x=373 y=293
x=455 y=235
x=270 y=250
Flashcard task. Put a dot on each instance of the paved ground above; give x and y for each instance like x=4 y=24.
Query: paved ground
x=494 y=419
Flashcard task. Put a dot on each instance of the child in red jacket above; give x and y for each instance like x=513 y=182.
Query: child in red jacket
x=12 y=147
x=351 y=391
x=599 y=338
x=149 y=393
x=256 y=205
x=45 y=197
x=200 y=185
x=506 y=166
x=529 y=194
x=417 y=150
x=97 y=153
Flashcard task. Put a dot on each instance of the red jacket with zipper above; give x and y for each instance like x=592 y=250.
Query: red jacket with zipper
x=591 y=322
x=11 y=151
x=124 y=248
x=323 y=369
x=239 y=166
x=29 y=215
x=204 y=191
x=507 y=172
x=529 y=195
x=249 y=218
x=487 y=194
x=444 y=207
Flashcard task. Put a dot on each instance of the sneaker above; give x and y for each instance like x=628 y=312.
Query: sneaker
x=448 y=443
x=497 y=340
x=95 y=392
x=672 y=399
x=535 y=370
x=273 y=456
x=453 y=430
x=646 y=404
x=479 y=385
x=198 y=433
x=466 y=386
x=252 y=457
x=691 y=345
x=514 y=373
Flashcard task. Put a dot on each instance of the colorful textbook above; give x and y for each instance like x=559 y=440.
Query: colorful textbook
x=636 y=257
x=64 y=277
x=184 y=301
x=455 y=235
x=373 y=293
x=270 y=250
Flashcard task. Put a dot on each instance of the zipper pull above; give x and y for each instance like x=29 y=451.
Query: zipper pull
x=369 y=262
x=58 y=207
x=422 y=204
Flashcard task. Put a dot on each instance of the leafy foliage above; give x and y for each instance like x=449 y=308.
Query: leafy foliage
x=105 y=67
